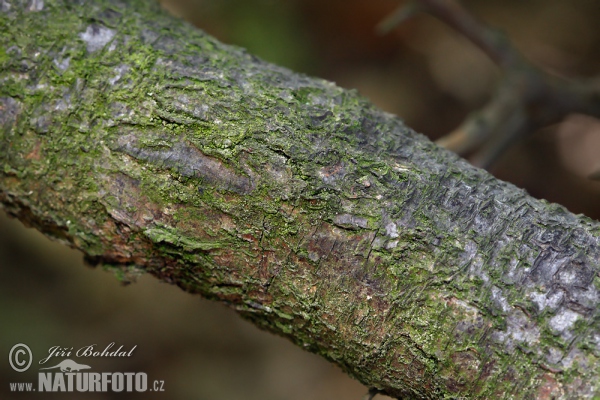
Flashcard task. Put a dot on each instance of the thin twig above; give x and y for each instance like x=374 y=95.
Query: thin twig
x=492 y=42
x=371 y=394
x=399 y=16
x=480 y=125
x=528 y=98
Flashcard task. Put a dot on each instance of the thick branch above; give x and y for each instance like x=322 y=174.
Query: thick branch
x=144 y=142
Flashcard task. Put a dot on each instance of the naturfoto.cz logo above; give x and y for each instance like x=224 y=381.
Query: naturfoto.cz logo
x=71 y=376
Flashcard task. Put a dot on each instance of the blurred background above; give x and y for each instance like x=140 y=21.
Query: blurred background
x=424 y=72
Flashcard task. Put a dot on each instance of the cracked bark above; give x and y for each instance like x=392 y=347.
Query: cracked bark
x=152 y=147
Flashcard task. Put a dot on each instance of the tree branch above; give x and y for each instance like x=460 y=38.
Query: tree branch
x=151 y=146
x=527 y=98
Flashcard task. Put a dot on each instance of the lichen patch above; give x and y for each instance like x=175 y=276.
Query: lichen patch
x=96 y=37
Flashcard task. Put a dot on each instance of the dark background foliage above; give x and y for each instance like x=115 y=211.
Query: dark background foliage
x=424 y=72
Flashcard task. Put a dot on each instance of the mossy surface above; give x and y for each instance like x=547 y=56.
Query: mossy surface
x=145 y=142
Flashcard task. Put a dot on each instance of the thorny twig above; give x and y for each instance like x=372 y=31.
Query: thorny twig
x=527 y=97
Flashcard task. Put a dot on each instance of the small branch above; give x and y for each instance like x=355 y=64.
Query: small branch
x=482 y=124
x=510 y=130
x=371 y=394
x=528 y=98
x=453 y=14
x=402 y=14
x=491 y=42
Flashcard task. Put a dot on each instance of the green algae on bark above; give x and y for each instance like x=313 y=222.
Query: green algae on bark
x=146 y=143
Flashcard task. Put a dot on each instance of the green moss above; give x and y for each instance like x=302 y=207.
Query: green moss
x=310 y=157
x=166 y=234
x=125 y=274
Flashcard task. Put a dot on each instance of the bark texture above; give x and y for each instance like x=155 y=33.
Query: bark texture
x=152 y=147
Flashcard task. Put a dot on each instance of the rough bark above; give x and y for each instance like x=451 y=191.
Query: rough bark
x=150 y=146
